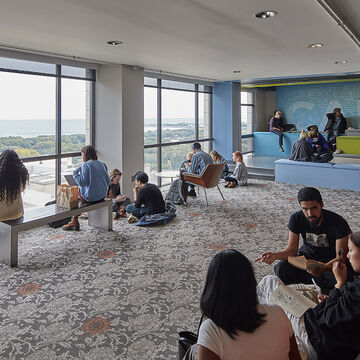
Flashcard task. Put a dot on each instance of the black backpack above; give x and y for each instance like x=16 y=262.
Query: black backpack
x=175 y=194
x=59 y=223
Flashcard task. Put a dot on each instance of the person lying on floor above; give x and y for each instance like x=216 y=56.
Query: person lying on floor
x=93 y=181
x=119 y=200
x=330 y=330
x=240 y=175
x=148 y=198
x=324 y=233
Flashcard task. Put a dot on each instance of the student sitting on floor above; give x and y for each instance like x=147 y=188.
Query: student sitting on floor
x=218 y=159
x=119 y=201
x=145 y=194
x=240 y=175
x=237 y=326
x=323 y=234
x=330 y=330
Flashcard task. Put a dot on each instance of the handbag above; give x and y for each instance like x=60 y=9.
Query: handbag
x=186 y=340
x=67 y=196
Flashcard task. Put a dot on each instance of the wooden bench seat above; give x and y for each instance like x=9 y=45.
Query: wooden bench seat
x=99 y=215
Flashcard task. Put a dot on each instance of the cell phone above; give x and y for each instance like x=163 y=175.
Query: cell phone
x=340 y=255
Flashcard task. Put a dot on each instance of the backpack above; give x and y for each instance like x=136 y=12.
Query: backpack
x=58 y=223
x=323 y=157
x=176 y=194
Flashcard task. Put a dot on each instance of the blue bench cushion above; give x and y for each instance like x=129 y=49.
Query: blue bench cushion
x=336 y=176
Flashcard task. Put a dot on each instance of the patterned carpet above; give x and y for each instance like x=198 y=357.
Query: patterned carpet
x=125 y=294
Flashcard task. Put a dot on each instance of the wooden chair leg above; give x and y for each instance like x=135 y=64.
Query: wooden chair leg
x=206 y=197
x=220 y=192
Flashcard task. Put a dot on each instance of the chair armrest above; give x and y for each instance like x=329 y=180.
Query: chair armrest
x=191 y=175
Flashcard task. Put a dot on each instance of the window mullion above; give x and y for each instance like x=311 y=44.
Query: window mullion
x=58 y=127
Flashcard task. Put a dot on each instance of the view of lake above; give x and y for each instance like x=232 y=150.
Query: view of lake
x=32 y=128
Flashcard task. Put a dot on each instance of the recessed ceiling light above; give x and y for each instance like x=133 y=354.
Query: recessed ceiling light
x=237 y=71
x=114 y=42
x=340 y=62
x=315 y=45
x=266 y=14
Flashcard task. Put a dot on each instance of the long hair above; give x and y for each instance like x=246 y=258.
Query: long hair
x=89 y=152
x=355 y=238
x=303 y=134
x=229 y=297
x=238 y=155
x=13 y=176
x=115 y=172
x=216 y=155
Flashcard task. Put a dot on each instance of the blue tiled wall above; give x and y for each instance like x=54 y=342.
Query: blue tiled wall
x=304 y=105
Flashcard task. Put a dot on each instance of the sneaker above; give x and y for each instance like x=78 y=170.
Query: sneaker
x=114 y=215
x=281 y=149
x=131 y=219
x=192 y=192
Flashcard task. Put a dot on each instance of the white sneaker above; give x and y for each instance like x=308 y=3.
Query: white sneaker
x=114 y=215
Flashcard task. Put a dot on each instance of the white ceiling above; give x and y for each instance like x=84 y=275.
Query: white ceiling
x=202 y=38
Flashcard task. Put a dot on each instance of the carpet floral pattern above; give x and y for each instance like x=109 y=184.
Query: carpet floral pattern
x=125 y=294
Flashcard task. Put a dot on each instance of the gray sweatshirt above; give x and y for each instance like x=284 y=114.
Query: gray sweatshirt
x=240 y=173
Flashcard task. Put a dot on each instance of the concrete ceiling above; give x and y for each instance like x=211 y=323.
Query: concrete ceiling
x=201 y=38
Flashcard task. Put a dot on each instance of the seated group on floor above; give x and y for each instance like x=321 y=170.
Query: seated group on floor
x=243 y=321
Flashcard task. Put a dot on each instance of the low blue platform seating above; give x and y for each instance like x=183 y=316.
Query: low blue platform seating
x=335 y=176
x=267 y=143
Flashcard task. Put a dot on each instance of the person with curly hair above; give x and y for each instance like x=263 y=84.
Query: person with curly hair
x=13 y=179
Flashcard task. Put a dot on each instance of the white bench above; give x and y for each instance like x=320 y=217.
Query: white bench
x=99 y=215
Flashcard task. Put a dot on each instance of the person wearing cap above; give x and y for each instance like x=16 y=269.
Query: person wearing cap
x=336 y=124
x=197 y=166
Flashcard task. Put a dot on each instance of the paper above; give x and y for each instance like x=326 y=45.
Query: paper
x=291 y=300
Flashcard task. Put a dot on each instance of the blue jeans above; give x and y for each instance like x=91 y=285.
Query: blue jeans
x=138 y=212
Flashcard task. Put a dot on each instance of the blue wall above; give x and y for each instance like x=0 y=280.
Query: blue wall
x=304 y=105
x=222 y=119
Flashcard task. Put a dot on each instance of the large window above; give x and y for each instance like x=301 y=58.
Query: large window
x=175 y=115
x=46 y=117
x=247 y=122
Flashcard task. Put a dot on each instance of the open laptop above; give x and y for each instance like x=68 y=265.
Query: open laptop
x=70 y=180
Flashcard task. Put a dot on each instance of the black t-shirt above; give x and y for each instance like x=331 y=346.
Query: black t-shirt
x=319 y=241
x=115 y=189
x=151 y=196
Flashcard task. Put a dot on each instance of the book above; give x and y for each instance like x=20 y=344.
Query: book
x=316 y=267
x=292 y=301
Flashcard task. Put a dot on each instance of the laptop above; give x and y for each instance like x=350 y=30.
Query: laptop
x=70 y=180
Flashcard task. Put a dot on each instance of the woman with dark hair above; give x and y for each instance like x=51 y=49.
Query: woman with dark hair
x=331 y=329
x=93 y=181
x=13 y=179
x=238 y=327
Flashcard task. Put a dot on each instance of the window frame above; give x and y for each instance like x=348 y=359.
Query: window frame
x=90 y=76
x=246 y=136
x=159 y=144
